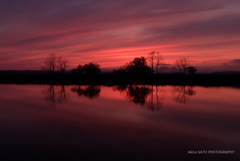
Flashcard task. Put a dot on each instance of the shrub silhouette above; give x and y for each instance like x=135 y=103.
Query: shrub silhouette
x=91 y=68
x=121 y=70
x=191 y=69
x=138 y=66
x=78 y=70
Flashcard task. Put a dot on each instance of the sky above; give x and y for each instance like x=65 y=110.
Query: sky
x=114 y=32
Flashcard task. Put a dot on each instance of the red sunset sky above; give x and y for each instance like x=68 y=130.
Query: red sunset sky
x=113 y=32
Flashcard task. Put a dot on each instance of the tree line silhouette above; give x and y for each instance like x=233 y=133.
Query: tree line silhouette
x=137 y=66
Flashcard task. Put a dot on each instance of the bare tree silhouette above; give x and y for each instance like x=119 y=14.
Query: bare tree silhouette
x=151 y=57
x=159 y=61
x=155 y=59
x=62 y=63
x=183 y=65
x=50 y=63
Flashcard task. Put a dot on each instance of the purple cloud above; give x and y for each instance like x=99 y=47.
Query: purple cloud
x=235 y=61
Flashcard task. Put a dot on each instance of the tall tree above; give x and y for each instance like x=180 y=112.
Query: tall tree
x=151 y=57
x=155 y=59
x=50 y=63
x=62 y=63
x=159 y=61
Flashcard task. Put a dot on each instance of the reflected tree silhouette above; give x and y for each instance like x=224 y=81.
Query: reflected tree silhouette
x=139 y=95
x=55 y=95
x=78 y=90
x=152 y=105
x=121 y=88
x=91 y=91
x=50 y=95
x=183 y=93
x=62 y=95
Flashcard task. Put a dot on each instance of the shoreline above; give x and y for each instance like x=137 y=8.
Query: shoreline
x=207 y=80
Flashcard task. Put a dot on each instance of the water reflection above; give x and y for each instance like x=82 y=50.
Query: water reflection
x=156 y=105
x=183 y=93
x=112 y=126
x=120 y=88
x=54 y=94
x=145 y=95
x=90 y=91
x=139 y=95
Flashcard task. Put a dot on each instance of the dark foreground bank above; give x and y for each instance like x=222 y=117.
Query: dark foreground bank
x=20 y=77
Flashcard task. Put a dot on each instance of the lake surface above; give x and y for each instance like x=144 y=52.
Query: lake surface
x=143 y=122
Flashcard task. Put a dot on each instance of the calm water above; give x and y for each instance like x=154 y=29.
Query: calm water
x=46 y=122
